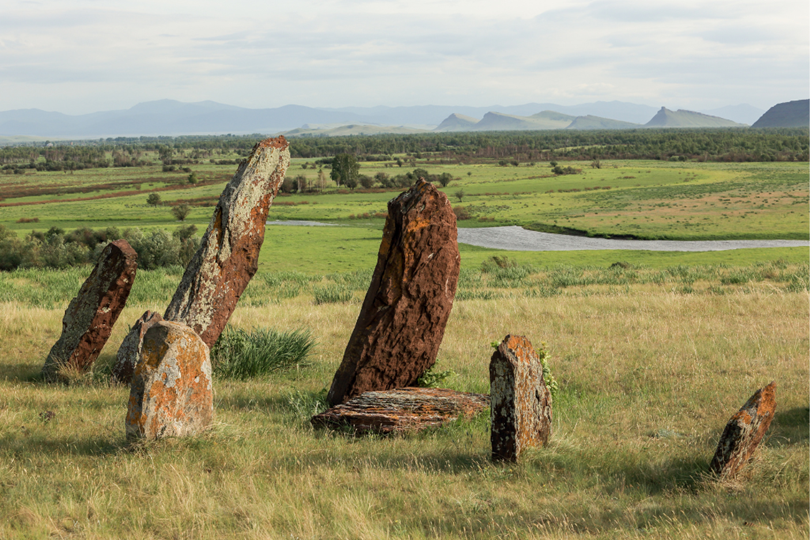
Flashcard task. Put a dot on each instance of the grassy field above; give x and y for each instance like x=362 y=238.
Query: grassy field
x=652 y=359
x=651 y=364
x=647 y=199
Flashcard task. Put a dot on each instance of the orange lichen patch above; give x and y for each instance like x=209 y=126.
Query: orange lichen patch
x=401 y=324
x=521 y=403
x=171 y=393
x=744 y=431
x=405 y=409
x=273 y=142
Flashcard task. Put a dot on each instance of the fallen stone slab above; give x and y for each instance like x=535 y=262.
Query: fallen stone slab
x=402 y=410
x=228 y=256
x=130 y=348
x=401 y=324
x=171 y=393
x=521 y=402
x=744 y=431
x=90 y=316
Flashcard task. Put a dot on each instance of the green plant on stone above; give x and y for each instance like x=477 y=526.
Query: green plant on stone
x=243 y=354
x=433 y=378
x=548 y=376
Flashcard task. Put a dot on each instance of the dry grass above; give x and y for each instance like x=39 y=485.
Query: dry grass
x=647 y=379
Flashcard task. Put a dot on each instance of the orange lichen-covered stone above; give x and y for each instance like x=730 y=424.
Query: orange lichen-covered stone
x=228 y=256
x=402 y=410
x=171 y=393
x=521 y=402
x=90 y=316
x=130 y=348
x=744 y=432
x=401 y=324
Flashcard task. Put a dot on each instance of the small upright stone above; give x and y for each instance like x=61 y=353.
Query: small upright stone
x=521 y=402
x=744 y=432
x=228 y=256
x=171 y=393
x=90 y=316
x=401 y=324
x=130 y=348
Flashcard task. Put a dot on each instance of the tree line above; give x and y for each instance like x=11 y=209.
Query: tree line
x=730 y=144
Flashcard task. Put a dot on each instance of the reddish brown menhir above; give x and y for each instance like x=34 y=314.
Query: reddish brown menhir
x=402 y=410
x=90 y=316
x=401 y=324
x=130 y=348
x=171 y=393
x=521 y=402
x=228 y=256
x=744 y=432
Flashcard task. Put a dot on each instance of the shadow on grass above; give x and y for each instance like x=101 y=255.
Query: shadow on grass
x=54 y=447
x=22 y=372
x=790 y=427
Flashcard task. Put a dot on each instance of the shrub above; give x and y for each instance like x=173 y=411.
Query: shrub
x=242 y=354
x=461 y=213
x=181 y=212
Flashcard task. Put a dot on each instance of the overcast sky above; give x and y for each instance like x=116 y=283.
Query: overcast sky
x=79 y=56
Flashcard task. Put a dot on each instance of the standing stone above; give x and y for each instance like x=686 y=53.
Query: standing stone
x=744 y=432
x=401 y=324
x=90 y=316
x=130 y=348
x=171 y=393
x=228 y=256
x=521 y=402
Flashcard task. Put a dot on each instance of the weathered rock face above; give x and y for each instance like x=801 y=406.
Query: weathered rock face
x=401 y=323
x=401 y=410
x=171 y=393
x=521 y=402
x=229 y=251
x=130 y=348
x=744 y=432
x=90 y=316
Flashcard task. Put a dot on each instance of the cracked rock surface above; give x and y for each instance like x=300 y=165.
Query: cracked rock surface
x=90 y=316
x=521 y=402
x=744 y=431
x=401 y=324
x=228 y=256
x=171 y=393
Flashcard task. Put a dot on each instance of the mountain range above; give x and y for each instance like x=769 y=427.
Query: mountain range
x=169 y=117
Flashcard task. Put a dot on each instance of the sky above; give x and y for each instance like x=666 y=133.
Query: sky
x=81 y=56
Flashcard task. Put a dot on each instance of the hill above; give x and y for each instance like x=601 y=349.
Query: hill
x=457 y=122
x=665 y=118
x=351 y=129
x=595 y=122
x=789 y=114
x=494 y=121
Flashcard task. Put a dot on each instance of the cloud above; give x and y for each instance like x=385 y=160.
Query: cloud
x=80 y=53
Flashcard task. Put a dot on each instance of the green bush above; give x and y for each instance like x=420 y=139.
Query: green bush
x=243 y=354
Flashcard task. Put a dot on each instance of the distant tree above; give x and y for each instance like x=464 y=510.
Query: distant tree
x=596 y=164
x=181 y=212
x=399 y=162
x=301 y=183
x=345 y=170
x=459 y=195
x=469 y=173
x=444 y=179
x=382 y=179
x=192 y=178
x=321 y=179
x=153 y=199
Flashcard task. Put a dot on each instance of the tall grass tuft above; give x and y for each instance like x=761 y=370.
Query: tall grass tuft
x=243 y=354
x=332 y=293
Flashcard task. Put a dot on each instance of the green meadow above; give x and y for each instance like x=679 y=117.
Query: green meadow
x=652 y=357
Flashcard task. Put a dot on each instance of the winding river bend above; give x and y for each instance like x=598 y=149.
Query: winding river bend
x=514 y=238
